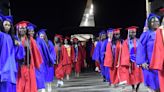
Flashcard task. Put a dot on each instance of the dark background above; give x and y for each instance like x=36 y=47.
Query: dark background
x=64 y=16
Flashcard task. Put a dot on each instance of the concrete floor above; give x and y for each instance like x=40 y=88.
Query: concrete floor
x=90 y=82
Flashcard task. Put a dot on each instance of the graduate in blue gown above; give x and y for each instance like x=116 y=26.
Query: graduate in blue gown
x=96 y=53
x=144 y=53
x=10 y=50
x=104 y=69
x=51 y=56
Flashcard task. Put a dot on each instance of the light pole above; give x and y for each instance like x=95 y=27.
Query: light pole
x=9 y=6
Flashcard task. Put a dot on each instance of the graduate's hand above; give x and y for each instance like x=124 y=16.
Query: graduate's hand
x=161 y=27
x=117 y=65
x=130 y=68
x=17 y=42
x=85 y=64
x=145 y=66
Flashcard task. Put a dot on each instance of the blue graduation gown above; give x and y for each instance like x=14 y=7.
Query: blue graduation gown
x=43 y=72
x=8 y=68
x=96 y=53
x=144 y=54
x=53 y=60
x=40 y=73
x=104 y=69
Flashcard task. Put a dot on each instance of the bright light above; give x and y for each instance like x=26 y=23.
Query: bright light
x=91 y=11
x=86 y=21
x=91 y=6
x=87 y=15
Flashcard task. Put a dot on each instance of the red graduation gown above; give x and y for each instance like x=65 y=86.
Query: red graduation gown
x=83 y=51
x=134 y=76
x=77 y=63
x=65 y=64
x=112 y=63
x=108 y=61
x=56 y=65
x=26 y=81
x=157 y=61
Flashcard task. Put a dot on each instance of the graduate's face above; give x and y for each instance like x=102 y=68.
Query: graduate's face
x=65 y=41
x=154 y=23
x=22 y=30
x=7 y=26
x=110 y=35
x=31 y=32
x=132 y=34
x=75 y=42
x=56 y=39
x=42 y=36
x=117 y=35
x=103 y=36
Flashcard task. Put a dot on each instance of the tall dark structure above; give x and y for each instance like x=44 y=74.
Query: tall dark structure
x=4 y=6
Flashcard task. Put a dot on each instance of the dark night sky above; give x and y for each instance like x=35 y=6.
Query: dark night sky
x=62 y=16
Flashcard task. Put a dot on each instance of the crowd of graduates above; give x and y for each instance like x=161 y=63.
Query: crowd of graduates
x=133 y=61
x=29 y=61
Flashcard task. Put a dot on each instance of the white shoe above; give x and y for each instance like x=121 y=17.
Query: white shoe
x=96 y=69
x=43 y=90
x=49 y=87
x=58 y=83
x=61 y=83
x=123 y=83
x=67 y=77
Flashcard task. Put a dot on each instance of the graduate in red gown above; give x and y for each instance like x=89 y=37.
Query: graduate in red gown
x=157 y=61
x=128 y=59
x=57 y=48
x=40 y=73
x=83 y=51
x=26 y=81
x=67 y=57
x=113 y=56
x=78 y=57
x=57 y=42
x=65 y=63
x=59 y=73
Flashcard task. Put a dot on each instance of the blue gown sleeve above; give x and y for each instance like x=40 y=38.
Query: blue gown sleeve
x=141 y=56
x=8 y=63
x=96 y=55
x=52 y=51
x=19 y=50
x=44 y=51
x=103 y=50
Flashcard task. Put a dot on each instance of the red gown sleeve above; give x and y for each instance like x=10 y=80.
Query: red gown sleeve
x=125 y=54
x=37 y=58
x=108 y=61
x=158 y=52
x=62 y=54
